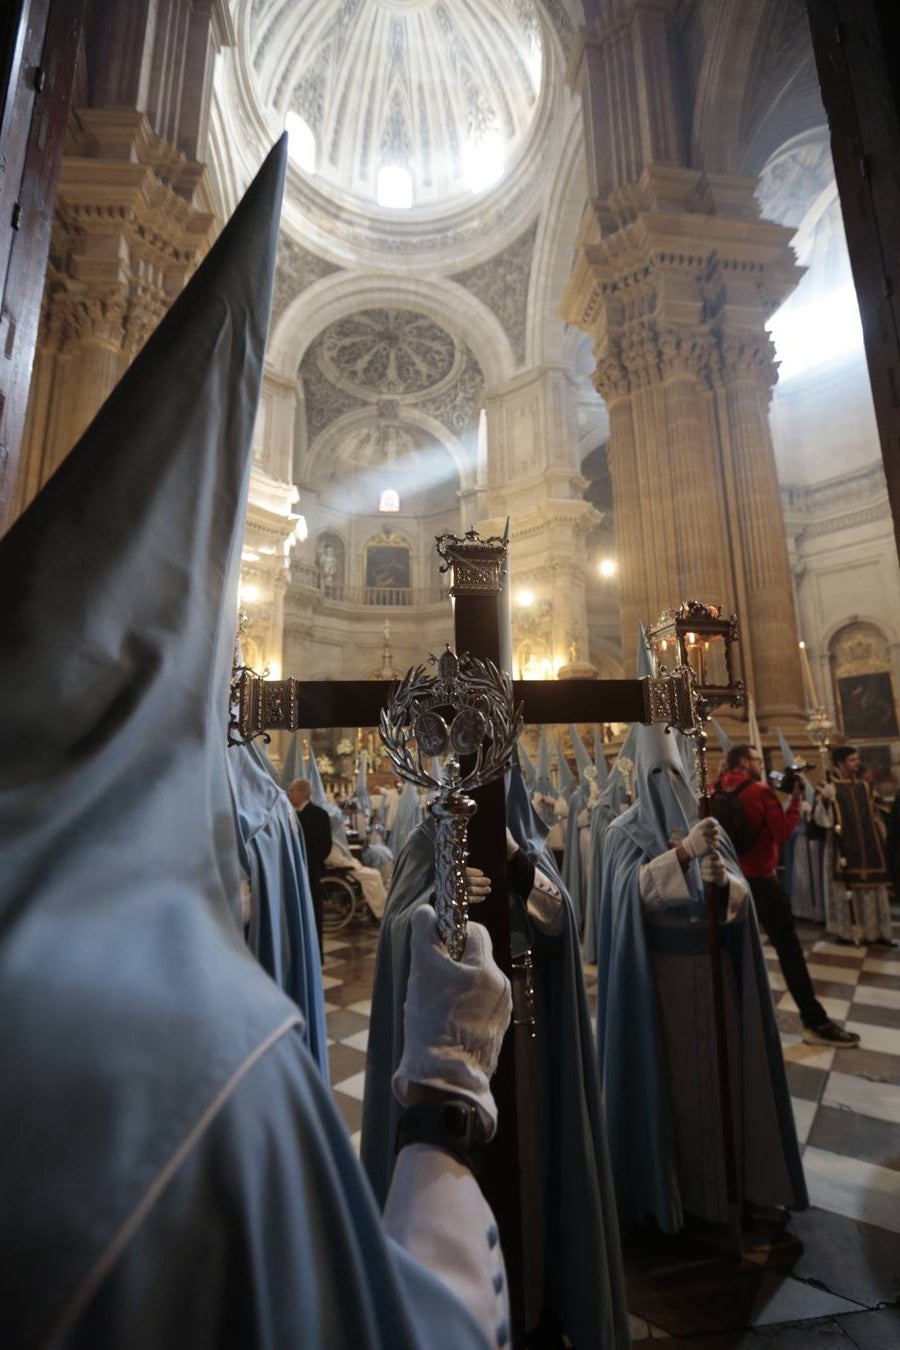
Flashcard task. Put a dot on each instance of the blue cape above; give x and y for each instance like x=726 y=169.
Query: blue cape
x=408 y=815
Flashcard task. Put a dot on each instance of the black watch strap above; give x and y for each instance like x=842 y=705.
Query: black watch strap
x=454 y=1125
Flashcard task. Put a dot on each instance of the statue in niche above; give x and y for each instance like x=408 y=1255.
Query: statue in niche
x=329 y=562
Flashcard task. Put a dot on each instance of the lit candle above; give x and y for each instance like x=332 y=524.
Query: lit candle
x=807 y=677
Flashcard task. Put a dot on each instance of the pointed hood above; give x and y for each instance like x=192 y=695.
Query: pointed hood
x=293 y=762
x=131 y=989
x=722 y=736
x=363 y=800
x=600 y=759
x=315 y=778
x=527 y=767
x=543 y=780
x=582 y=754
x=646 y=662
x=664 y=807
x=787 y=753
x=752 y=724
x=565 y=777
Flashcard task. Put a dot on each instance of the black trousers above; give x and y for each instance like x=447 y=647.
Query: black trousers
x=774 y=913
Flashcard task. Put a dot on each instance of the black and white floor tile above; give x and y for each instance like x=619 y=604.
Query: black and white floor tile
x=840 y=1284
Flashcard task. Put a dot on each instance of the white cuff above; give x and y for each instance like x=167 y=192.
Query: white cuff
x=662 y=882
x=436 y=1211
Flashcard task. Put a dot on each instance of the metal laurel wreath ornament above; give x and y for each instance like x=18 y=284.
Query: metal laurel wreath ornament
x=463 y=716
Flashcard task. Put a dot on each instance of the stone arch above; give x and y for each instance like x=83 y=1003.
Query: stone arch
x=552 y=261
x=722 y=85
x=326 y=444
x=342 y=293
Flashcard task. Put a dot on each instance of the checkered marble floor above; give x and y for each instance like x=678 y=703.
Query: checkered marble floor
x=847 y=1110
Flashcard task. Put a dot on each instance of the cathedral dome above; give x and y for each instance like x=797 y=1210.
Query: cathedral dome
x=400 y=103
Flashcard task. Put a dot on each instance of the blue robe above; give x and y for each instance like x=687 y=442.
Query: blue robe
x=585 y=1282
x=572 y=870
x=282 y=929
x=661 y=1104
x=612 y=801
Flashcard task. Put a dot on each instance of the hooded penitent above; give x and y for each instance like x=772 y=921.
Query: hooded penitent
x=544 y=786
x=174 y=1171
x=408 y=816
x=293 y=762
x=659 y=1081
x=584 y=1277
x=615 y=796
x=576 y=851
x=282 y=927
x=527 y=767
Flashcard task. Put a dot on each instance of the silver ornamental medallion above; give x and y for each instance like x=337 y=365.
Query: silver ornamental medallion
x=465 y=713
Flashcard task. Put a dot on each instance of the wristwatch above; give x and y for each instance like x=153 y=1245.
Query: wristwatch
x=454 y=1125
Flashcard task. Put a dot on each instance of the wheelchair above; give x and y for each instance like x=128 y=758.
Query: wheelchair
x=342 y=898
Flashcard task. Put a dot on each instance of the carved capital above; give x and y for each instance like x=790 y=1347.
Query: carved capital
x=748 y=357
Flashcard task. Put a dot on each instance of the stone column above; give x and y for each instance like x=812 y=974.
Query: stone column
x=534 y=478
x=675 y=277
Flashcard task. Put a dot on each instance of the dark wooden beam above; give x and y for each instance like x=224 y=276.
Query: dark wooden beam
x=856 y=44
x=358 y=703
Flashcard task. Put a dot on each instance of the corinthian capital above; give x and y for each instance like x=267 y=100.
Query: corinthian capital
x=748 y=357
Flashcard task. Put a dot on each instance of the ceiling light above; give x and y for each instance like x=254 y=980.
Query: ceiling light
x=249 y=594
x=525 y=598
x=248 y=555
x=608 y=567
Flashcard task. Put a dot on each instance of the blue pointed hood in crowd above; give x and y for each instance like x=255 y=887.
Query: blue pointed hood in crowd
x=583 y=759
x=527 y=767
x=293 y=762
x=722 y=736
x=363 y=800
x=315 y=779
x=565 y=777
x=543 y=779
x=120 y=879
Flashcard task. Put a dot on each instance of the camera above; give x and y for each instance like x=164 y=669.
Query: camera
x=785 y=782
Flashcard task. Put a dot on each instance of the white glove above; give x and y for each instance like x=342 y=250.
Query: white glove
x=712 y=870
x=561 y=807
x=702 y=838
x=828 y=792
x=455 y=1018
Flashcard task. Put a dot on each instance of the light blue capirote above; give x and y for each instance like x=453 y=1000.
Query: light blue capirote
x=170 y=1127
x=572 y=870
x=293 y=762
x=585 y=1274
x=543 y=781
x=407 y=816
x=527 y=766
x=566 y=779
x=637 y=1026
x=600 y=758
x=722 y=736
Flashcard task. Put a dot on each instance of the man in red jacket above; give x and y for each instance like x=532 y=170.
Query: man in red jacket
x=770 y=825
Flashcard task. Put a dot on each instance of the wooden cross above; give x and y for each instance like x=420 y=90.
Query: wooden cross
x=480 y=597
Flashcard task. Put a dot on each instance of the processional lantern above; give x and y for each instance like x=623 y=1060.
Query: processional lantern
x=699 y=644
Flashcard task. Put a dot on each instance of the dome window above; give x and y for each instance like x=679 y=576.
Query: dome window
x=389 y=500
x=394 y=187
x=301 y=142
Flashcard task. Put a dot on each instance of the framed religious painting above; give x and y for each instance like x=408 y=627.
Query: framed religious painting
x=868 y=711
x=387 y=571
